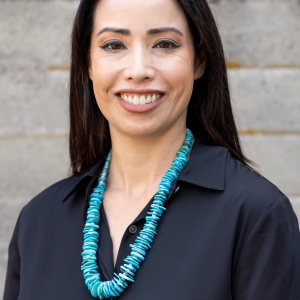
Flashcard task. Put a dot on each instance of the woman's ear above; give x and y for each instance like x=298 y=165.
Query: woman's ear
x=200 y=64
x=90 y=72
x=89 y=62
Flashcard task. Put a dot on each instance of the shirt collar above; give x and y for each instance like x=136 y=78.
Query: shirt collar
x=205 y=168
x=88 y=177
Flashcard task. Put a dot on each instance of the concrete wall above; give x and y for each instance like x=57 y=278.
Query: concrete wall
x=262 y=43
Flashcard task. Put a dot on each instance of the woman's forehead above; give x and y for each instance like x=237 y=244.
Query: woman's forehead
x=137 y=14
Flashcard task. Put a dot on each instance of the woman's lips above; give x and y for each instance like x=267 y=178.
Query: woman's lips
x=139 y=108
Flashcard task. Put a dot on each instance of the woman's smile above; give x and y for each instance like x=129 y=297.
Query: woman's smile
x=139 y=101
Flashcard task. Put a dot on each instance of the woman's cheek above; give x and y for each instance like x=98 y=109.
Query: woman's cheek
x=105 y=75
x=177 y=67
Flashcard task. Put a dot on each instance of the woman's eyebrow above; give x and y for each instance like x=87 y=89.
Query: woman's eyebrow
x=124 y=31
x=163 y=29
x=115 y=30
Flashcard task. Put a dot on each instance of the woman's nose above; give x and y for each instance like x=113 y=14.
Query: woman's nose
x=139 y=67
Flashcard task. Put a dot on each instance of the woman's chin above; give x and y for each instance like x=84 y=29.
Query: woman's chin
x=139 y=130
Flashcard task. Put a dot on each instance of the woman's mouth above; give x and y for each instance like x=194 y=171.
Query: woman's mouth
x=138 y=99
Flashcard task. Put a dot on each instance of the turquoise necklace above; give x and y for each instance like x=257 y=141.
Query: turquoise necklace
x=116 y=286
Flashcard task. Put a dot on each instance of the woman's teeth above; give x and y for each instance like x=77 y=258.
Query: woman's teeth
x=140 y=99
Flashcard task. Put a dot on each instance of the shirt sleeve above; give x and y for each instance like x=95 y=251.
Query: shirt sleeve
x=269 y=264
x=12 y=283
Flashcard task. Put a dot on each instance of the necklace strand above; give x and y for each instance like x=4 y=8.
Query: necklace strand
x=116 y=286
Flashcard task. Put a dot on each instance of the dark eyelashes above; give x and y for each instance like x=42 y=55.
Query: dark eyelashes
x=111 y=43
x=117 y=43
x=173 y=44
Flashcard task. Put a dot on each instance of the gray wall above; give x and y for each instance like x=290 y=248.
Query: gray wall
x=262 y=43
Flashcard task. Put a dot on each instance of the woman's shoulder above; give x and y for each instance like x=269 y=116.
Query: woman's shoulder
x=51 y=196
x=232 y=182
x=50 y=199
x=262 y=215
x=215 y=168
x=253 y=194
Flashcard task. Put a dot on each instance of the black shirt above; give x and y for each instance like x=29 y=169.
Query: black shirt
x=227 y=233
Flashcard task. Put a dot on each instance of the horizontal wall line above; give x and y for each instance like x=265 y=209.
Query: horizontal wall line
x=231 y=64
x=252 y=131
x=34 y=135
x=62 y=67
x=237 y=64
x=245 y=131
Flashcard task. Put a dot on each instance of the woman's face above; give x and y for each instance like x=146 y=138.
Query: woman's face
x=142 y=65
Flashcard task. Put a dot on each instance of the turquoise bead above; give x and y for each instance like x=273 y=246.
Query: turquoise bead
x=127 y=270
x=161 y=194
x=145 y=237
x=158 y=206
x=126 y=277
x=117 y=286
x=95 y=289
x=160 y=198
x=130 y=267
x=131 y=261
x=142 y=241
x=164 y=190
x=138 y=250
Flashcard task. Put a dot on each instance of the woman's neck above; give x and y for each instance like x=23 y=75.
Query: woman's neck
x=138 y=164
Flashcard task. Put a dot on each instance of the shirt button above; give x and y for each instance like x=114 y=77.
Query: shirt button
x=132 y=229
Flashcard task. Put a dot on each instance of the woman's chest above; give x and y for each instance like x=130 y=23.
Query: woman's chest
x=190 y=256
x=120 y=212
x=181 y=264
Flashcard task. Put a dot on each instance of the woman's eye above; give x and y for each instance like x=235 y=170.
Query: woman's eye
x=166 y=45
x=112 y=46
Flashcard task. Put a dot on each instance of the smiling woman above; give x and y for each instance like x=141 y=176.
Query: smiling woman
x=162 y=203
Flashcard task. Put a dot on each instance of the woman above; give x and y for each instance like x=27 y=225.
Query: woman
x=197 y=223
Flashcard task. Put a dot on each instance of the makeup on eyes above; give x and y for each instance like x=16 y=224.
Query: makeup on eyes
x=173 y=44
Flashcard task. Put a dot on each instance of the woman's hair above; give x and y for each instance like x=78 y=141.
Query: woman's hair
x=209 y=115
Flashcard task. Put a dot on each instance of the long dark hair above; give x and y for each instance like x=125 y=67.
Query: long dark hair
x=209 y=115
